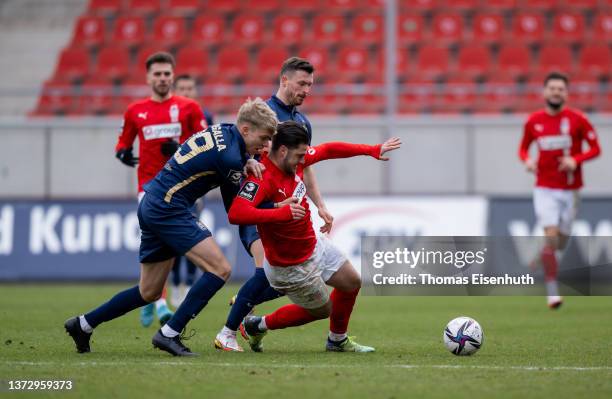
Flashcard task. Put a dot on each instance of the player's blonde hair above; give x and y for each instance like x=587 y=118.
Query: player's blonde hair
x=257 y=114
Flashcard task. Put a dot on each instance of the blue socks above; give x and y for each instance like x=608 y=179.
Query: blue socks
x=118 y=305
x=199 y=295
x=255 y=291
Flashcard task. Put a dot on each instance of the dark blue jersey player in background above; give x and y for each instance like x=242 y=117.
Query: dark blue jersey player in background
x=295 y=81
x=209 y=159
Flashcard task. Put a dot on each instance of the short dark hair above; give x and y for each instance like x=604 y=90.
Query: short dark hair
x=556 y=76
x=294 y=64
x=160 y=57
x=290 y=134
x=184 y=76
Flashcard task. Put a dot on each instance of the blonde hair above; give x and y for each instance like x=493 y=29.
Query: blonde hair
x=257 y=114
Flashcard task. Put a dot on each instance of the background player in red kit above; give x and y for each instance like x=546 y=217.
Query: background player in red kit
x=297 y=262
x=161 y=122
x=559 y=133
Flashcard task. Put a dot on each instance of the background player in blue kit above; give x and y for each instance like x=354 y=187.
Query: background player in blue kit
x=209 y=159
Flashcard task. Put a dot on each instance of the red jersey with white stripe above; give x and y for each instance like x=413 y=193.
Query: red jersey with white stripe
x=154 y=123
x=287 y=242
x=557 y=136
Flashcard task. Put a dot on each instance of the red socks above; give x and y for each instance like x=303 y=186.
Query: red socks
x=549 y=261
x=288 y=316
x=342 y=307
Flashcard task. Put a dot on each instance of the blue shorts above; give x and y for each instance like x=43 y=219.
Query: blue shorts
x=167 y=230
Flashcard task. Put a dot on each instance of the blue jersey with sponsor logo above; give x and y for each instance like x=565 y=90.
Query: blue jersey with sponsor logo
x=285 y=113
x=212 y=158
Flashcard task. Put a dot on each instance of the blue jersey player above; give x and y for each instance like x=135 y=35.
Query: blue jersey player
x=211 y=158
x=295 y=81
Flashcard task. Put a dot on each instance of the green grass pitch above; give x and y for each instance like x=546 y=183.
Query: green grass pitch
x=529 y=351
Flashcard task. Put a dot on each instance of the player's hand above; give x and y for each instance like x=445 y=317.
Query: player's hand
x=254 y=168
x=169 y=147
x=297 y=211
x=127 y=157
x=392 y=144
x=288 y=201
x=327 y=218
x=531 y=165
x=567 y=164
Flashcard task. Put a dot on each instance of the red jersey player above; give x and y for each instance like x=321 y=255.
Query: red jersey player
x=297 y=262
x=161 y=122
x=559 y=133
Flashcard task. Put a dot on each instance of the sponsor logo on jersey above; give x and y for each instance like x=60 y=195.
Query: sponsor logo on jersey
x=300 y=191
x=551 y=143
x=166 y=130
x=248 y=191
x=142 y=115
x=174 y=113
x=311 y=151
x=234 y=176
x=565 y=126
x=538 y=127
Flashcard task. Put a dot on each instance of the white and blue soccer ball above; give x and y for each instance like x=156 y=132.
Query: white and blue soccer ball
x=463 y=336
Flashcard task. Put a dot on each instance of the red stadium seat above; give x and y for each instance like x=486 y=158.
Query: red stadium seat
x=233 y=63
x=459 y=95
x=544 y=5
x=113 y=63
x=411 y=29
x=143 y=53
x=498 y=96
x=554 y=58
x=105 y=6
x=568 y=27
x=433 y=62
x=582 y=5
x=129 y=31
x=595 y=60
x=55 y=98
x=169 y=31
x=90 y=31
x=261 y=5
x=328 y=28
x=353 y=63
x=417 y=96
x=366 y=104
x=248 y=29
x=500 y=5
x=302 y=5
x=143 y=7
x=73 y=64
x=368 y=29
x=514 y=61
x=418 y=5
x=474 y=61
x=96 y=97
x=288 y=29
x=222 y=6
x=528 y=27
x=192 y=61
x=268 y=64
x=208 y=30
x=340 y=5
x=447 y=28
x=488 y=28
x=403 y=67
x=603 y=27
x=184 y=6
x=318 y=56
x=374 y=5
x=461 y=5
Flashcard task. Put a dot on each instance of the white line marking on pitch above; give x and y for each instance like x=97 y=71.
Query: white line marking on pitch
x=312 y=366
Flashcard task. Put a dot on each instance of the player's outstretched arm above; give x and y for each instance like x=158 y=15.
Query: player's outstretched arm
x=335 y=150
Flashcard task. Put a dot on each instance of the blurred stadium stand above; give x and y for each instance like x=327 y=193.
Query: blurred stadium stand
x=453 y=56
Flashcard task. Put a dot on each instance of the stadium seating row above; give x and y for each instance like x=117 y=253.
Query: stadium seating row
x=249 y=29
x=112 y=7
x=351 y=63
x=452 y=97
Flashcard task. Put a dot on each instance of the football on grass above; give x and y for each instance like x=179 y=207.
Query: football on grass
x=463 y=336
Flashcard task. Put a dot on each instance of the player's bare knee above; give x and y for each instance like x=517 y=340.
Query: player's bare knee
x=150 y=294
x=321 y=313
